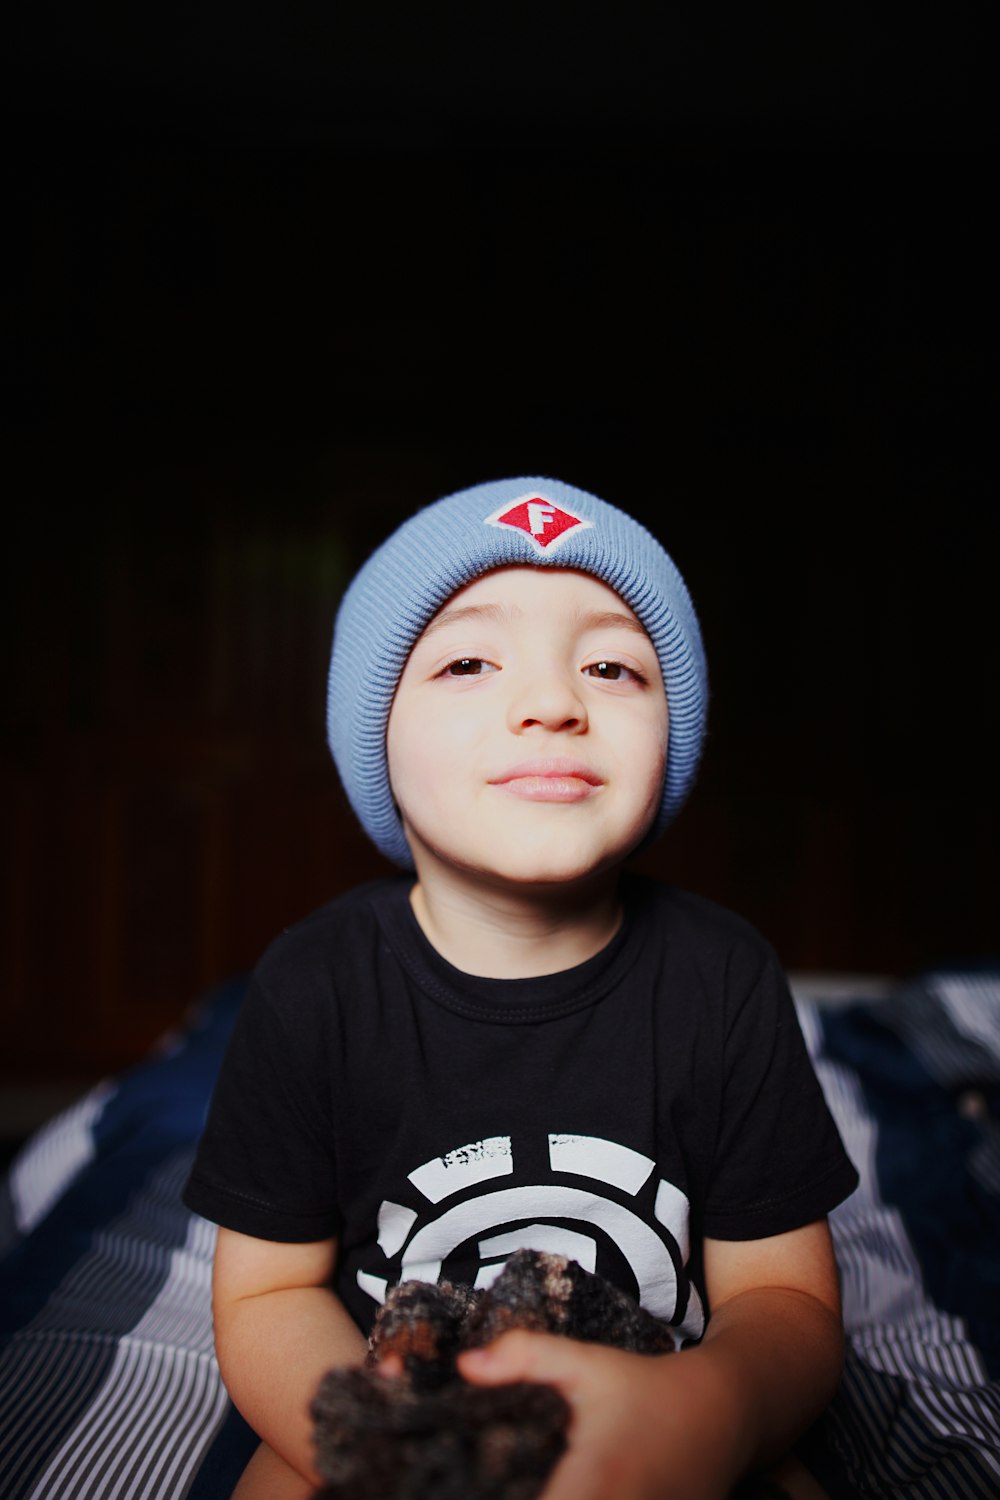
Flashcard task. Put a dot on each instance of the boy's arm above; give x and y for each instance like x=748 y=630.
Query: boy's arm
x=278 y=1329
x=690 y=1424
x=776 y=1328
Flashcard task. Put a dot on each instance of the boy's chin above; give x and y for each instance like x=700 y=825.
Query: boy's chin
x=546 y=875
x=544 y=870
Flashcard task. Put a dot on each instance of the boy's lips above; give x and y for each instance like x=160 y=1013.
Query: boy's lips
x=551 y=779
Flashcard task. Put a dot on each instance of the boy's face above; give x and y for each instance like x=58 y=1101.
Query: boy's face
x=527 y=739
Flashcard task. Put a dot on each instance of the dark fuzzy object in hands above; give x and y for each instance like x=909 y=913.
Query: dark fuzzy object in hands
x=429 y=1435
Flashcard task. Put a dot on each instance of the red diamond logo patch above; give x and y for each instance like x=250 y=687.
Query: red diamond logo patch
x=544 y=523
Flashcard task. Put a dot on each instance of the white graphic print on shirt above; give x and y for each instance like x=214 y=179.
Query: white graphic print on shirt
x=564 y=1218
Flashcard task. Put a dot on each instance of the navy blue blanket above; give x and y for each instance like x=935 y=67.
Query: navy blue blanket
x=108 y=1381
x=914 y=1082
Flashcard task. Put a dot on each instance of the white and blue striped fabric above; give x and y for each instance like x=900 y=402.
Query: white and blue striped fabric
x=109 y=1389
x=914 y=1083
x=108 y=1381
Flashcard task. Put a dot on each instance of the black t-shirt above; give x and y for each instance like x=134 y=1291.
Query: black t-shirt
x=617 y=1112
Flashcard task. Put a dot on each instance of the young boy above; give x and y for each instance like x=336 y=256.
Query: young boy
x=525 y=1045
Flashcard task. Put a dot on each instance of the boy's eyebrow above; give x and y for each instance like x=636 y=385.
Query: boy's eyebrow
x=502 y=614
x=605 y=619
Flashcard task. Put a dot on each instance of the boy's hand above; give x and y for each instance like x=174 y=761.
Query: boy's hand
x=644 y=1427
x=687 y=1426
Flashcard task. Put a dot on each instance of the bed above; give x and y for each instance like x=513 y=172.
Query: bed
x=109 y=1386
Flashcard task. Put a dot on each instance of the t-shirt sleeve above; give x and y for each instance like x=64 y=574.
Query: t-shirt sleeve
x=265 y=1163
x=779 y=1160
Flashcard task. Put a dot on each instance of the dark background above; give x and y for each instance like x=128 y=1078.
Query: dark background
x=271 y=286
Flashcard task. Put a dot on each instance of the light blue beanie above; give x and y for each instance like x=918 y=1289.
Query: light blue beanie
x=445 y=546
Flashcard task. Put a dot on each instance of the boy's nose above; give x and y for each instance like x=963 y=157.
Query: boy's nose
x=550 y=700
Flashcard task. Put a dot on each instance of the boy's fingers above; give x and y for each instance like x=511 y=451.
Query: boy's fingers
x=520 y=1356
x=550 y=1360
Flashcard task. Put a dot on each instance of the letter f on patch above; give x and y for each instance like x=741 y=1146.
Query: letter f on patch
x=540 y=513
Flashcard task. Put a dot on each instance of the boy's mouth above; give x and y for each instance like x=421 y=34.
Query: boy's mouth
x=551 y=779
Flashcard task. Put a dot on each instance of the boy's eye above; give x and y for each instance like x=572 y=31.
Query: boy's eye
x=609 y=671
x=468 y=666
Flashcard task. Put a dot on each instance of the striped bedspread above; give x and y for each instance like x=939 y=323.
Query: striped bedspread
x=914 y=1082
x=108 y=1382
